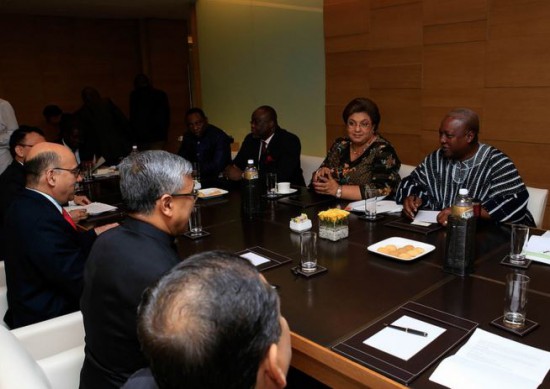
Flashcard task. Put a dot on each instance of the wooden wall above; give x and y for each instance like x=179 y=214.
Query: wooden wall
x=48 y=60
x=420 y=58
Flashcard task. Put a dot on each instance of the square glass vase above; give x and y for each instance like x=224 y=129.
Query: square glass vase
x=333 y=231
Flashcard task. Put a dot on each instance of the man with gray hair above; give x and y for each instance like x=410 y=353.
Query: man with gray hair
x=157 y=191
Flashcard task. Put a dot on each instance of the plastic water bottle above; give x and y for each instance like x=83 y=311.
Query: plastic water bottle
x=461 y=229
x=250 y=190
x=463 y=206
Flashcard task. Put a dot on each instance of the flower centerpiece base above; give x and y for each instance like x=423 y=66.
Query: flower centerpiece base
x=333 y=224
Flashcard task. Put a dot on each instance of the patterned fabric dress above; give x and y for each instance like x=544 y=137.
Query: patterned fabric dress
x=377 y=168
x=490 y=176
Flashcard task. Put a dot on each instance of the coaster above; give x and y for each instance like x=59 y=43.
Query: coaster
x=528 y=327
x=202 y=234
x=297 y=271
x=506 y=261
x=378 y=217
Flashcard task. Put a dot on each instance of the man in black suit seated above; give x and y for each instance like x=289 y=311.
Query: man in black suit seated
x=12 y=180
x=277 y=150
x=212 y=322
x=45 y=252
x=206 y=144
x=158 y=194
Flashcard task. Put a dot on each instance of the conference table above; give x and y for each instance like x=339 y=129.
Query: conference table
x=361 y=287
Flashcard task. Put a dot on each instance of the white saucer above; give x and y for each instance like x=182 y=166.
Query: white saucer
x=291 y=190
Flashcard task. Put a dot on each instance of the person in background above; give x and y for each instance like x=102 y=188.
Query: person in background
x=273 y=149
x=362 y=160
x=212 y=322
x=149 y=115
x=463 y=162
x=52 y=114
x=45 y=252
x=8 y=124
x=106 y=129
x=158 y=194
x=12 y=180
x=71 y=136
x=206 y=145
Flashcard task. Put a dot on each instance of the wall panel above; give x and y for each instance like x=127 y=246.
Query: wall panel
x=427 y=57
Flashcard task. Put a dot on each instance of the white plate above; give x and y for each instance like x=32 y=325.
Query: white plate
x=211 y=193
x=290 y=191
x=400 y=242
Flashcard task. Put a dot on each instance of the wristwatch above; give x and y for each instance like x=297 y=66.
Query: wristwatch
x=339 y=192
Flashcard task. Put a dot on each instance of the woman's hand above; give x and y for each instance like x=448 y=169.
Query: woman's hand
x=325 y=185
x=321 y=172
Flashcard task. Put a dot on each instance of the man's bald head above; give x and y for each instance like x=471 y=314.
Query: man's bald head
x=49 y=168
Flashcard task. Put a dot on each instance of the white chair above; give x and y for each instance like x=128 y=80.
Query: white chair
x=57 y=345
x=3 y=305
x=537 y=204
x=405 y=170
x=309 y=164
x=18 y=369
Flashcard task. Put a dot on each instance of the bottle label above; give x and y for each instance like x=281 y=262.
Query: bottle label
x=462 y=212
x=250 y=174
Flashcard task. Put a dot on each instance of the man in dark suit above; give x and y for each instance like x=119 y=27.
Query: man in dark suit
x=45 y=253
x=273 y=149
x=157 y=190
x=12 y=180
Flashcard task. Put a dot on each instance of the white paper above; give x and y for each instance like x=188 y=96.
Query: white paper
x=538 y=249
x=91 y=209
x=382 y=206
x=426 y=216
x=491 y=361
x=401 y=344
x=255 y=259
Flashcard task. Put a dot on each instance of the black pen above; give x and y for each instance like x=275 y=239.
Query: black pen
x=407 y=330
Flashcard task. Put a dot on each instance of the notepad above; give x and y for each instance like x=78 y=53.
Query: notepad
x=92 y=209
x=255 y=259
x=401 y=344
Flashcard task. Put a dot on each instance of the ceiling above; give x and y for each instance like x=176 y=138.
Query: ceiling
x=111 y=9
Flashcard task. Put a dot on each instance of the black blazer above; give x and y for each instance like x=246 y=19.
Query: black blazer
x=44 y=261
x=124 y=261
x=283 y=156
x=12 y=181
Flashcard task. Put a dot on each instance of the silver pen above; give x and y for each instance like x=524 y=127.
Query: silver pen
x=407 y=330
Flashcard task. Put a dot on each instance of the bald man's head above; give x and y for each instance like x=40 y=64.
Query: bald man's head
x=52 y=169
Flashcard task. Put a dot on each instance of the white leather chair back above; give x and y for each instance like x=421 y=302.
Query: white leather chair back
x=18 y=369
x=58 y=347
x=537 y=204
x=405 y=170
x=309 y=164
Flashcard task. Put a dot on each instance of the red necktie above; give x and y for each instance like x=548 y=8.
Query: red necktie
x=69 y=219
x=263 y=153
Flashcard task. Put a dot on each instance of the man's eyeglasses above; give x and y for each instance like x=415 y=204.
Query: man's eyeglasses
x=25 y=145
x=75 y=172
x=194 y=194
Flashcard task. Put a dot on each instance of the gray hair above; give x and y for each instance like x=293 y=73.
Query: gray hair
x=147 y=175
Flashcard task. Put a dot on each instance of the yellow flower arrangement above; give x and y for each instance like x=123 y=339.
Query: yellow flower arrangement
x=333 y=215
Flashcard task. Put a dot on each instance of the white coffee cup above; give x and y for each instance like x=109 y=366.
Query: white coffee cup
x=283 y=187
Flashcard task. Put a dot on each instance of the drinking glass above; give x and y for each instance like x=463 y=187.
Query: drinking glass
x=195 y=223
x=308 y=251
x=518 y=243
x=370 y=203
x=271 y=181
x=515 y=300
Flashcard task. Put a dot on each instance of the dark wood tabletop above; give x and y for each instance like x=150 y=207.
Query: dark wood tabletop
x=361 y=287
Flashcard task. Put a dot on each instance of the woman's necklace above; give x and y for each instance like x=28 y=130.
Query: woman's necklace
x=361 y=150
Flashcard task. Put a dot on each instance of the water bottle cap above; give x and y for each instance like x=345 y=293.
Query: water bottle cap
x=463 y=191
x=250 y=161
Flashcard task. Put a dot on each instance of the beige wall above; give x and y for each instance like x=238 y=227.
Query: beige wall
x=48 y=60
x=419 y=59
